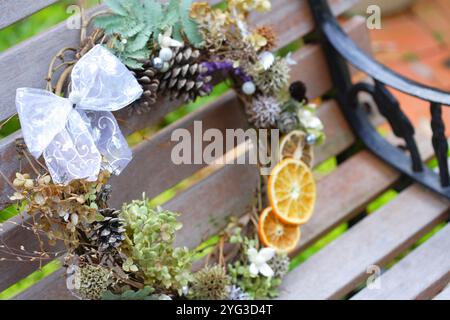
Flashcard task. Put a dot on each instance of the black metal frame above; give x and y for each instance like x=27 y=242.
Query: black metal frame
x=339 y=49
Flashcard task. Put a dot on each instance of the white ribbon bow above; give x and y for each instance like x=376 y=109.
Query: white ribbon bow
x=79 y=135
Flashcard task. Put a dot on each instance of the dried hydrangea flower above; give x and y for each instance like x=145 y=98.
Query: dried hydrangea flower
x=23 y=180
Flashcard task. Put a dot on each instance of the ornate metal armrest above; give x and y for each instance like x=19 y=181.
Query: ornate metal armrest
x=339 y=49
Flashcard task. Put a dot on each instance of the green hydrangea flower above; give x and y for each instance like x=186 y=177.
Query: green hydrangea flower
x=150 y=236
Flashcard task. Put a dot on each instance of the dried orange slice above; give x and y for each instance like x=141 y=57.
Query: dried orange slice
x=275 y=233
x=292 y=191
x=294 y=146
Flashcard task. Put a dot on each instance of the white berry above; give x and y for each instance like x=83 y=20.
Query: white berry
x=158 y=63
x=166 y=54
x=248 y=88
x=165 y=67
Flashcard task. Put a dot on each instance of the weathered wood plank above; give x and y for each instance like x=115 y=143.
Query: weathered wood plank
x=153 y=170
x=13 y=235
x=444 y=294
x=52 y=287
x=15 y=10
x=341 y=266
x=346 y=192
x=35 y=53
x=205 y=206
x=420 y=275
x=352 y=186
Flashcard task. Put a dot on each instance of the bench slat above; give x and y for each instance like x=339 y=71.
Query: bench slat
x=153 y=171
x=341 y=266
x=353 y=185
x=420 y=275
x=52 y=287
x=15 y=10
x=17 y=62
x=444 y=294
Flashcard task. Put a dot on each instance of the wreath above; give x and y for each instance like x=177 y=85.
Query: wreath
x=137 y=53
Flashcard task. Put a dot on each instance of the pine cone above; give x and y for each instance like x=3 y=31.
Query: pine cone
x=185 y=79
x=103 y=196
x=109 y=233
x=150 y=84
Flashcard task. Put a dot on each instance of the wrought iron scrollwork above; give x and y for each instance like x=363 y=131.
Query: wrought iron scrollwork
x=389 y=108
x=339 y=51
x=440 y=143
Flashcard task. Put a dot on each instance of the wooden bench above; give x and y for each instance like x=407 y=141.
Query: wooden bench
x=340 y=269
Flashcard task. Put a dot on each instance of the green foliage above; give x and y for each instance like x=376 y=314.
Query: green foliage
x=151 y=233
x=184 y=22
x=258 y=287
x=139 y=23
x=142 y=294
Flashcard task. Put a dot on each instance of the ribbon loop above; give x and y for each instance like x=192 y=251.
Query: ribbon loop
x=77 y=142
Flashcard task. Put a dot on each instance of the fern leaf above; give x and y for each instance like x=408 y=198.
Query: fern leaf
x=172 y=14
x=176 y=32
x=153 y=14
x=109 y=23
x=116 y=7
x=138 y=43
x=140 y=55
x=132 y=64
x=131 y=29
x=131 y=5
x=190 y=27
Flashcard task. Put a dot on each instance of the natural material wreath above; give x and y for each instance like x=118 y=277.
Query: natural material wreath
x=139 y=52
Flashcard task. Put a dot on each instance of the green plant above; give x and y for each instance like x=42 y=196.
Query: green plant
x=150 y=236
x=142 y=294
x=258 y=287
x=135 y=26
